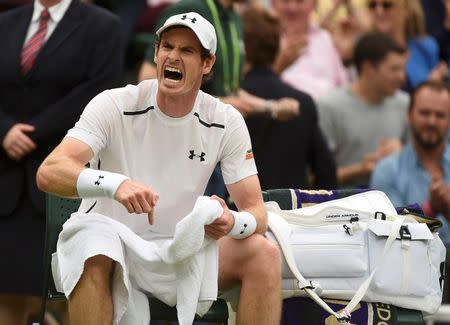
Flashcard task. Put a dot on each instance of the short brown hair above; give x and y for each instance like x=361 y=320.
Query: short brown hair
x=261 y=36
x=374 y=47
x=437 y=86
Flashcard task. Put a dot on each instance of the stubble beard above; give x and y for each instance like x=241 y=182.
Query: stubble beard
x=426 y=144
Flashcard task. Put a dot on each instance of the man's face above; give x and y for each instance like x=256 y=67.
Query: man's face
x=388 y=75
x=293 y=11
x=180 y=67
x=429 y=119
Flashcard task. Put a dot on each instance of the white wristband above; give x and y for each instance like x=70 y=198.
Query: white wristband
x=96 y=183
x=244 y=225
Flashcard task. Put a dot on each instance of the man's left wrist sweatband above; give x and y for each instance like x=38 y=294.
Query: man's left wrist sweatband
x=244 y=225
x=98 y=183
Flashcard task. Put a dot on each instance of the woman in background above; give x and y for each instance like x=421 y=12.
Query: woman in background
x=404 y=21
x=308 y=59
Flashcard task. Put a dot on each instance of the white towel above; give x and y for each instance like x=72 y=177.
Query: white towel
x=182 y=271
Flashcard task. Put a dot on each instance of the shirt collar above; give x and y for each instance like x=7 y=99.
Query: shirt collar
x=314 y=29
x=411 y=153
x=56 y=12
x=445 y=158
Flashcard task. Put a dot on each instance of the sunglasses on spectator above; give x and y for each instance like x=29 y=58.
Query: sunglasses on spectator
x=386 y=5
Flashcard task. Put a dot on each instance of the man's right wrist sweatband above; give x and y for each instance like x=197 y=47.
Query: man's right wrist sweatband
x=98 y=183
x=244 y=225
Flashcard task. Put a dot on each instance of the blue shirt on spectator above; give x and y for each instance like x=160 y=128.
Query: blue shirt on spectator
x=423 y=58
x=404 y=180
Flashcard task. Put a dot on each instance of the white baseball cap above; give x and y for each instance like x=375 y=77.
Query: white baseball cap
x=200 y=26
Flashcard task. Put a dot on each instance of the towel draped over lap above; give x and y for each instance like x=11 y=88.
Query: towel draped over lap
x=181 y=271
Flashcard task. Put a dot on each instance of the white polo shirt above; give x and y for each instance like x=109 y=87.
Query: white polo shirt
x=130 y=135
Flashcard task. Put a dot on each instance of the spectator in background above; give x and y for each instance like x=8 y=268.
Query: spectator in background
x=404 y=21
x=56 y=55
x=420 y=173
x=307 y=59
x=285 y=150
x=227 y=70
x=344 y=30
x=364 y=121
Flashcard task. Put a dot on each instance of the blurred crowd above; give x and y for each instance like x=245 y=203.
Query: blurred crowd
x=335 y=93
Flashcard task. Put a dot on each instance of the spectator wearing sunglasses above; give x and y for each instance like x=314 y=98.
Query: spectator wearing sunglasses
x=404 y=20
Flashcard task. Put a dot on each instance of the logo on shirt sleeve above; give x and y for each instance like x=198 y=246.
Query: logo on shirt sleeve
x=249 y=154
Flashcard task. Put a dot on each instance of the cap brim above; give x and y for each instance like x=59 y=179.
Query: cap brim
x=185 y=24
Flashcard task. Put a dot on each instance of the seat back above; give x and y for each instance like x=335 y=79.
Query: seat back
x=58 y=210
x=282 y=196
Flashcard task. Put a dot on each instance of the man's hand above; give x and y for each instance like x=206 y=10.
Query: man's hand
x=389 y=146
x=222 y=225
x=368 y=163
x=17 y=143
x=439 y=196
x=285 y=108
x=439 y=72
x=248 y=104
x=242 y=102
x=386 y=147
x=137 y=198
x=292 y=45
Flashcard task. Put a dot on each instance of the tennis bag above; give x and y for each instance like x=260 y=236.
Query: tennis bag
x=358 y=248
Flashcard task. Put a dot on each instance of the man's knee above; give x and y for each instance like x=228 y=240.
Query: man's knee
x=98 y=270
x=266 y=247
x=268 y=256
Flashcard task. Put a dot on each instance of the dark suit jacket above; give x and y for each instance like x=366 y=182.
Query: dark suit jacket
x=285 y=151
x=82 y=57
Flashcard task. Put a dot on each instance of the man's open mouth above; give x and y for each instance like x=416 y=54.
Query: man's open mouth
x=173 y=74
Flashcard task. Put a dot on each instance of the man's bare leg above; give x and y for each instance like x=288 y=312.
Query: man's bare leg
x=59 y=307
x=21 y=310
x=90 y=302
x=255 y=263
x=12 y=309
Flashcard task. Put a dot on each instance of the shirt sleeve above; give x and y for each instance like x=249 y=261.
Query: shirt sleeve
x=327 y=125
x=320 y=157
x=384 y=178
x=96 y=122
x=423 y=58
x=237 y=161
x=340 y=75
